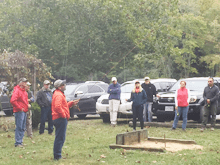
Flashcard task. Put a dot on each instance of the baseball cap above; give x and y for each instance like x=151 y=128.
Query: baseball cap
x=146 y=78
x=28 y=83
x=114 y=79
x=23 y=79
x=59 y=83
x=137 y=82
x=46 y=82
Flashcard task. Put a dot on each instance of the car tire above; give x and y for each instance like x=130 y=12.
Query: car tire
x=201 y=114
x=9 y=112
x=106 y=118
x=160 y=118
x=82 y=116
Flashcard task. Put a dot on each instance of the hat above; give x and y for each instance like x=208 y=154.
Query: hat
x=23 y=80
x=46 y=82
x=146 y=78
x=114 y=79
x=137 y=82
x=59 y=83
x=28 y=83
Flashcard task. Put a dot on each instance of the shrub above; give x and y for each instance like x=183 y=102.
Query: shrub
x=36 y=113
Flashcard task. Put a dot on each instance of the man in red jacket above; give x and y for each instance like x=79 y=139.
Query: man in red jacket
x=19 y=101
x=60 y=116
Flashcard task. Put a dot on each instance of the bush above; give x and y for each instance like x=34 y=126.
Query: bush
x=36 y=113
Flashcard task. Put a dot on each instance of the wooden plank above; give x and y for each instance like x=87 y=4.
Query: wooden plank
x=172 y=140
x=128 y=147
x=120 y=139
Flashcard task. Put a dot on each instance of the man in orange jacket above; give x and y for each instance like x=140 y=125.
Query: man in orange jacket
x=60 y=116
x=19 y=101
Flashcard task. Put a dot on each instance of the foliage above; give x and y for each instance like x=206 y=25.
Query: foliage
x=36 y=114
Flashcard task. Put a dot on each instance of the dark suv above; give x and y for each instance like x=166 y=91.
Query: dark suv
x=166 y=104
x=88 y=93
x=5 y=104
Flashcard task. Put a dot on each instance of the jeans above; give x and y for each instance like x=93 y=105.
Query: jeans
x=60 y=136
x=137 y=112
x=20 y=121
x=182 y=111
x=113 y=110
x=207 y=112
x=147 y=109
x=46 y=114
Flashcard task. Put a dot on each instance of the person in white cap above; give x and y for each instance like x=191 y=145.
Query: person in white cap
x=44 y=100
x=151 y=91
x=29 y=113
x=114 y=91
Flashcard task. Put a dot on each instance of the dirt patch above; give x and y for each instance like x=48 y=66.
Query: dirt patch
x=169 y=146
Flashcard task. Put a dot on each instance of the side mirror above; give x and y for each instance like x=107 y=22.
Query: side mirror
x=78 y=93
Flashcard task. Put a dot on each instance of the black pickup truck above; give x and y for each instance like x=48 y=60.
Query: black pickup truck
x=5 y=104
x=165 y=109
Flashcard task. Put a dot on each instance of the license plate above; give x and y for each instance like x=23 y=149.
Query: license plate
x=168 y=108
x=107 y=108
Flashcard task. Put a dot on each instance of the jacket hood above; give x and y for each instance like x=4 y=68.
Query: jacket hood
x=19 y=88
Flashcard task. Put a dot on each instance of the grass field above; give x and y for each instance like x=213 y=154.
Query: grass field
x=87 y=142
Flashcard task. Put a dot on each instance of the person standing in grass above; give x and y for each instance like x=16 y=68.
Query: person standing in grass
x=114 y=91
x=139 y=98
x=19 y=101
x=210 y=95
x=29 y=113
x=182 y=97
x=60 y=116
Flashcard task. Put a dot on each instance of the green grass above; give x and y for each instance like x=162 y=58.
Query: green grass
x=87 y=140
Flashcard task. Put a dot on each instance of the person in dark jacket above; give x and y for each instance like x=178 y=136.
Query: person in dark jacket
x=44 y=100
x=139 y=97
x=114 y=91
x=210 y=96
x=151 y=91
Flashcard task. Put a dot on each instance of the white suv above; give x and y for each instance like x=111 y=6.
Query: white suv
x=125 y=111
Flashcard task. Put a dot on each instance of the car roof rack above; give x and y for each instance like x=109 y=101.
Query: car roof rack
x=95 y=82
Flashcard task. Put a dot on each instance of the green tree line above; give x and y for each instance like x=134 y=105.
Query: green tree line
x=96 y=39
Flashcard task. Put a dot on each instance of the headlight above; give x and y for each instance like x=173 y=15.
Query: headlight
x=192 y=99
x=99 y=101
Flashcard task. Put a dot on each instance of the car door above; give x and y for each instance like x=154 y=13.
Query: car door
x=85 y=102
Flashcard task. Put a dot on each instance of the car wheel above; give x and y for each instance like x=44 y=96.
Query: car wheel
x=106 y=118
x=201 y=114
x=9 y=112
x=160 y=118
x=81 y=116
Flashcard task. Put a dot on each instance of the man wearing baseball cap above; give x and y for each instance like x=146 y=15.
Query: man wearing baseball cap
x=60 y=115
x=29 y=113
x=114 y=91
x=150 y=90
x=44 y=100
x=19 y=101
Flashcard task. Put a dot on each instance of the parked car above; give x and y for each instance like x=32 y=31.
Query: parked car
x=88 y=93
x=166 y=103
x=5 y=100
x=125 y=111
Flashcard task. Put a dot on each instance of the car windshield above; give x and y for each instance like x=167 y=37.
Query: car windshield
x=127 y=88
x=69 y=89
x=193 y=85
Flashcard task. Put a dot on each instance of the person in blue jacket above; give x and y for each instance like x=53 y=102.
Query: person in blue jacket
x=139 y=98
x=114 y=91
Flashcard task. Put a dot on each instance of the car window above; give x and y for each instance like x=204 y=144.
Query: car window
x=69 y=89
x=94 y=89
x=127 y=88
x=83 y=88
x=104 y=86
x=164 y=86
x=193 y=85
x=157 y=85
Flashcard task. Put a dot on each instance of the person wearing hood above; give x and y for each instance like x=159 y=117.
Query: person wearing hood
x=114 y=91
x=44 y=100
x=182 y=97
x=139 y=98
x=19 y=101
